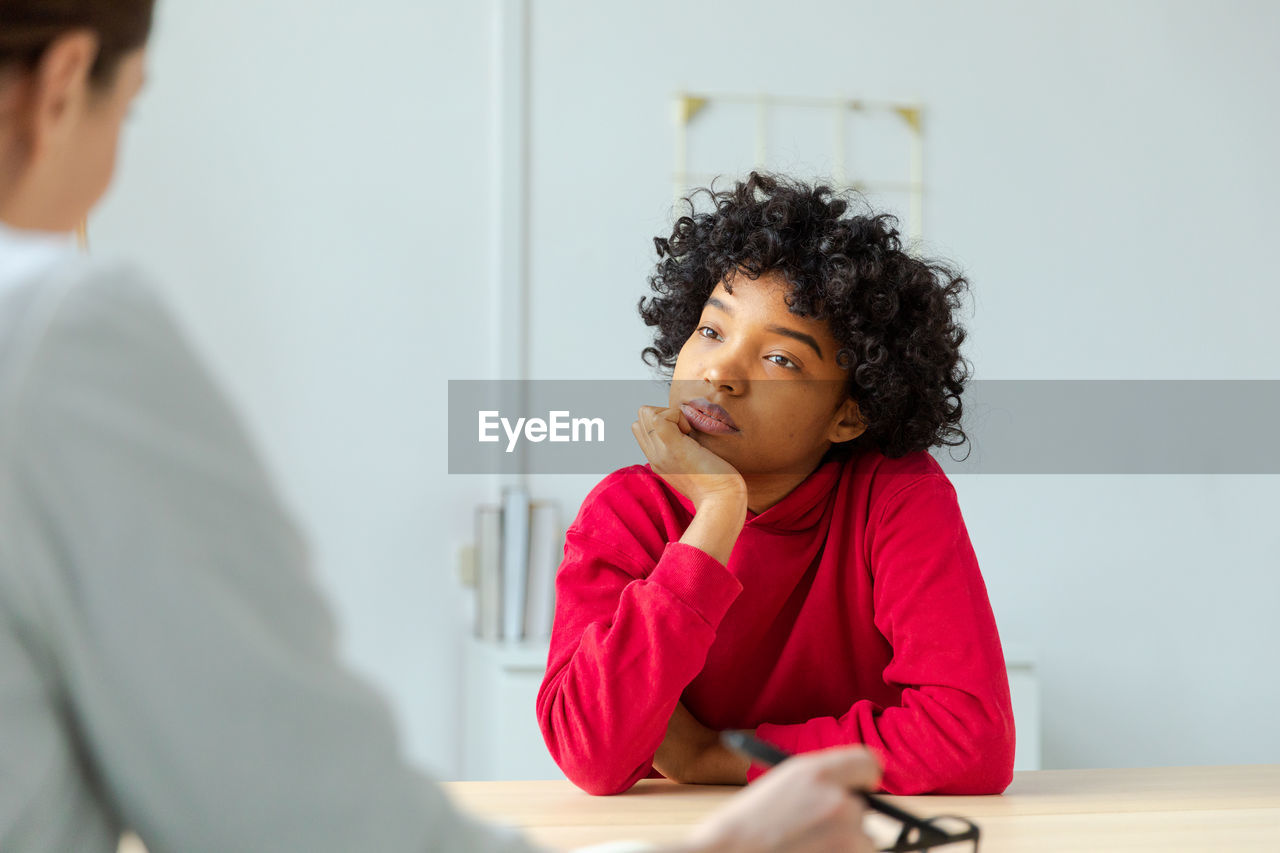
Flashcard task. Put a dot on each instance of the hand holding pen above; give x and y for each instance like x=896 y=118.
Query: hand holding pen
x=917 y=833
x=804 y=807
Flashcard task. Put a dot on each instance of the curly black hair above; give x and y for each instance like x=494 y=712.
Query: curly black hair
x=894 y=315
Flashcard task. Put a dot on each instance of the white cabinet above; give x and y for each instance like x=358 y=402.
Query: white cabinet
x=501 y=739
x=500 y=732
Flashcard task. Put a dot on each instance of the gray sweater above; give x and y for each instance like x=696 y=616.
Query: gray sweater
x=167 y=664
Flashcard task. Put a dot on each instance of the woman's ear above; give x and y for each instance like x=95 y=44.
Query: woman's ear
x=847 y=424
x=59 y=87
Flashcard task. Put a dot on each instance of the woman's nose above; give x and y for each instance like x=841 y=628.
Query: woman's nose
x=724 y=371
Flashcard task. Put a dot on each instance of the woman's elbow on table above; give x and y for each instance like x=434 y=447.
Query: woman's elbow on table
x=988 y=765
x=605 y=786
x=591 y=767
x=594 y=775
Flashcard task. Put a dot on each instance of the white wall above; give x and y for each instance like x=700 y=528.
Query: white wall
x=309 y=182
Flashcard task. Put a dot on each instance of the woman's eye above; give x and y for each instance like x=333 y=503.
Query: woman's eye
x=781 y=361
x=708 y=332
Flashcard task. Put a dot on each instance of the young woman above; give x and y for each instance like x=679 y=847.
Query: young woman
x=792 y=560
x=166 y=663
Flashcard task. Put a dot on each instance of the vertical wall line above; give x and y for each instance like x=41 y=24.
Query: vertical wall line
x=510 y=176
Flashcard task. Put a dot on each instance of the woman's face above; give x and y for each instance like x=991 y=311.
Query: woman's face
x=760 y=385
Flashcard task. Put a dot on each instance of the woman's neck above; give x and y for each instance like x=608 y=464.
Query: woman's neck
x=767 y=490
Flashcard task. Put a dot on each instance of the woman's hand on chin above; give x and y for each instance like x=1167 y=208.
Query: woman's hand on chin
x=665 y=437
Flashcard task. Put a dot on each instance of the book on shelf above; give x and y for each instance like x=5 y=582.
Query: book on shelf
x=518 y=548
x=515 y=560
x=489 y=573
x=545 y=548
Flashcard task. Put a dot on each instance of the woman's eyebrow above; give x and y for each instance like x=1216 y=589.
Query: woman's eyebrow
x=798 y=335
x=713 y=302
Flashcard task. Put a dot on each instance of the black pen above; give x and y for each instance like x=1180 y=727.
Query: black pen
x=754 y=749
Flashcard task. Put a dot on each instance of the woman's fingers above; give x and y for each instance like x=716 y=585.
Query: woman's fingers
x=682 y=422
x=657 y=430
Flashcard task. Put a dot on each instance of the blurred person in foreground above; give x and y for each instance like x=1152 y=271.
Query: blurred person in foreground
x=167 y=665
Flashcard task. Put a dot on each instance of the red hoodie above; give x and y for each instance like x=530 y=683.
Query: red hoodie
x=852 y=611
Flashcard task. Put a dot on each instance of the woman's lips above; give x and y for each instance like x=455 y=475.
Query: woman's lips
x=705 y=416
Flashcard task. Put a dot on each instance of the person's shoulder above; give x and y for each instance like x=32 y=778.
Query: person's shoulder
x=89 y=322
x=96 y=348
x=105 y=291
x=78 y=310
x=76 y=276
x=83 y=304
x=890 y=477
x=76 y=280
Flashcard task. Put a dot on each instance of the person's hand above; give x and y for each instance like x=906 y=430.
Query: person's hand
x=803 y=805
x=688 y=467
x=692 y=753
x=718 y=492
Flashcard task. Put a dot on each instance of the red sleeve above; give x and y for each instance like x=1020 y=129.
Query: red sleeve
x=625 y=644
x=952 y=731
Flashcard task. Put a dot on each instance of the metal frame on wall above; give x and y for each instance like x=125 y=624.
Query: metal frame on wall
x=689 y=105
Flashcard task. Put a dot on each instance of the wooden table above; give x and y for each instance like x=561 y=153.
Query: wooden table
x=1182 y=808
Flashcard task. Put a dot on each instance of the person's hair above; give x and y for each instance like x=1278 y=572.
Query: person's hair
x=894 y=315
x=29 y=27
